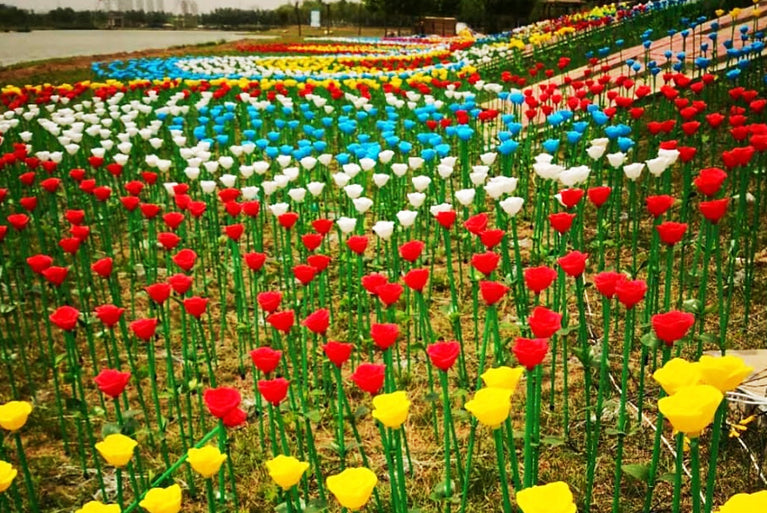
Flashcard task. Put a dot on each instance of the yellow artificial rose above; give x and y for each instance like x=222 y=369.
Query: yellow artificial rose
x=206 y=461
x=98 y=507
x=691 y=409
x=14 y=414
x=391 y=409
x=745 y=503
x=286 y=471
x=677 y=373
x=117 y=449
x=551 y=498
x=724 y=372
x=162 y=500
x=352 y=487
x=503 y=377
x=7 y=475
x=491 y=406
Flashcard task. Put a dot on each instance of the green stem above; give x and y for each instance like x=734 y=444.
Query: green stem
x=502 y=470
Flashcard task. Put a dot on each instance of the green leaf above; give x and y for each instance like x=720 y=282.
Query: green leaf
x=553 y=441
x=649 y=340
x=314 y=416
x=692 y=306
x=640 y=472
x=361 y=412
x=110 y=429
x=668 y=477
x=431 y=397
x=439 y=491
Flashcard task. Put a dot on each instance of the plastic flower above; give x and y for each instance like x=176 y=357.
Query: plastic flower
x=723 y=372
x=352 y=487
x=503 y=377
x=745 y=503
x=206 y=460
x=691 y=409
x=117 y=449
x=286 y=471
x=391 y=409
x=162 y=500
x=677 y=373
x=491 y=406
x=14 y=414
x=7 y=475
x=98 y=507
x=550 y=498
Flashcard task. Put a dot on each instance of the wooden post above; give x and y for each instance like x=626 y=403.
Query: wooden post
x=298 y=18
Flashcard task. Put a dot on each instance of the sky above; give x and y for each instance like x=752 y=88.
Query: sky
x=203 y=5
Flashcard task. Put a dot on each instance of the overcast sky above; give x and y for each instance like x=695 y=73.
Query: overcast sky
x=204 y=5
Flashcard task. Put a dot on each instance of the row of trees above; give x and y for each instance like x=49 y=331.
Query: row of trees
x=13 y=18
x=488 y=15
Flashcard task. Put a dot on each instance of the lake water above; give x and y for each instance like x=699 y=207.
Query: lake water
x=49 y=44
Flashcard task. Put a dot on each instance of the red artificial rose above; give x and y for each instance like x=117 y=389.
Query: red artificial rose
x=222 y=400
x=714 y=210
x=384 y=335
x=185 y=259
x=234 y=231
x=80 y=233
x=357 y=243
x=70 y=245
x=319 y=262
x=65 y=317
x=130 y=203
x=266 y=359
x=492 y=291
x=144 y=328
x=29 y=203
x=195 y=306
x=443 y=354
x=571 y=197
x=269 y=301
x=539 y=278
x=389 y=293
x=630 y=292
x=254 y=261
x=39 y=263
x=102 y=267
x=229 y=194
x=598 y=196
x=416 y=279
x=372 y=281
x=709 y=180
x=109 y=315
x=530 y=351
x=606 y=281
x=446 y=218
x=658 y=205
x=75 y=217
x=232 y=208
x=3 y=232
x=134 y=187
x=173 y=219
x=311 y=241
x=573 y=263
x=251 y=208
x=670 y=232
x=562 y=221
x=197 y=208
x=18 y=221
x=281 y=321
x=544 y=323
x=158 y=292
x=491 y=238
x=112 y=382
x=287 y=220
x=412 y=250
x=55 y=275
x=486 y=262
x=304 y=273
x=369 y=377
x=337 y=352
x=51 y=184
x=476 y=224
x=322 y=226
x=180 y=283
x=149 y=210
x=274 y=390
x=672 y=326
x=317 y=321
x=234 y=418
x=169 y=240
